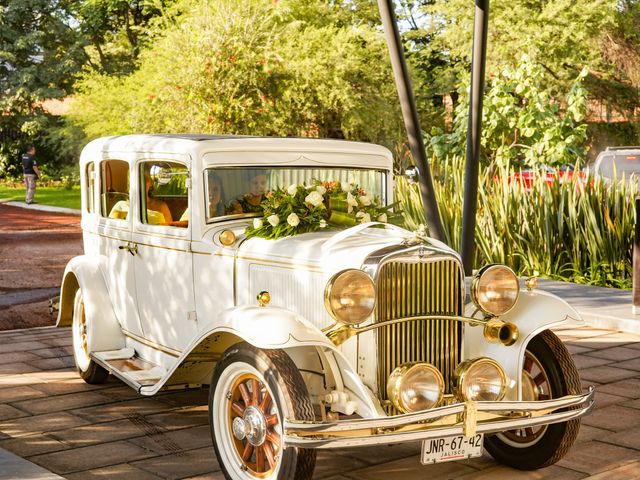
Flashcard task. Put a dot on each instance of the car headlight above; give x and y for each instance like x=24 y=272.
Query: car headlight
x=480 y=379
x=415 y=386
x=495 y=289
x=350 y=296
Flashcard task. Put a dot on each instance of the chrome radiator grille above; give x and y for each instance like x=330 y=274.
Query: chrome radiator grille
x=411 y=289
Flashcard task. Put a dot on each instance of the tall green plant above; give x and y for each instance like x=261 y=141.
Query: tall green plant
x=577 y=229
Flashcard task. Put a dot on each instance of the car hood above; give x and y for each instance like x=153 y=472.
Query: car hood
x=335 y=250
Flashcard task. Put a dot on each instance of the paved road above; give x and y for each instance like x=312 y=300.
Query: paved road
x=53 y=419
x=35 y=246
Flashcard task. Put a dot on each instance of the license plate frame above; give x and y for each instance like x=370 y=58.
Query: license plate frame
x=451 y=448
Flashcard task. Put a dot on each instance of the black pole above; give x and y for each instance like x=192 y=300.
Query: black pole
x=410 y=116
x=480 y=27
x=636 y=262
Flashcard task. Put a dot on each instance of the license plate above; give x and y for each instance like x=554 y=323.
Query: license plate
x=456 y=447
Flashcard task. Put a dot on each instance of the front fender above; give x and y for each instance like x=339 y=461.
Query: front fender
x=534 y=312
x=274 y=327
x=84 y=273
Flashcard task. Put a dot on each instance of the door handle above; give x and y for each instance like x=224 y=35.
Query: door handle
x=129 y=247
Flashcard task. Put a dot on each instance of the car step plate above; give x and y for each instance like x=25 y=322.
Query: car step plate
x=456 y=447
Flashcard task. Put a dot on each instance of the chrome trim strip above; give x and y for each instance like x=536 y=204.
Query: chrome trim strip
x=150 y=343
x=379 y=434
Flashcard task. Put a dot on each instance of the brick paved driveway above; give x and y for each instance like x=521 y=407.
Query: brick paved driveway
x=52 y=418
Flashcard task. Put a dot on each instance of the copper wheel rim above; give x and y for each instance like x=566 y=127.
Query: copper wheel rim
x=249 y=392
x=537 y=383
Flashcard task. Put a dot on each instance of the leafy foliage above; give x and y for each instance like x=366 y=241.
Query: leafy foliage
x=250 y=68
x=522 y=124
x=38 y=59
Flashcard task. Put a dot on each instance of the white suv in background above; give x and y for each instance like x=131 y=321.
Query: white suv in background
x=618 y=163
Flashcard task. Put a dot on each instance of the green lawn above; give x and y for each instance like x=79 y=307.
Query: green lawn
x=55 y=196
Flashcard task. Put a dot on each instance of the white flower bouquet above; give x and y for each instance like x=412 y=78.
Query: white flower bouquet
x=308 y=208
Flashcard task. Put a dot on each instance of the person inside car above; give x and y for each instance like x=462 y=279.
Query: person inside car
x=158 y=212
x=250 y=202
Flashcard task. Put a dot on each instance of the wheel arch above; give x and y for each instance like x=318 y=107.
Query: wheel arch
x=83 y=274
x=274 y=328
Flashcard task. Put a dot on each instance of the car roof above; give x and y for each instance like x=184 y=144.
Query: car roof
x=199 y=145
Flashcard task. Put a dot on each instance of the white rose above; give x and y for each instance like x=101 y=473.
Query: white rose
x=323 y=224
x=366 y=200
x=273 y=220
x=293 y=220
x=321 y=190
x=382 y=218
x=314 y=198
x=366 y=218
x=351 y=202
x=257 y=223
x=293 y=188
x=346 y=186
x=360 y=214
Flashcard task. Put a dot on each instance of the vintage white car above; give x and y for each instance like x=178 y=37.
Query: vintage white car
x=324 y=340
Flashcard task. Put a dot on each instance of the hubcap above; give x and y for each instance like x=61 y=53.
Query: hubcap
x=254 y=424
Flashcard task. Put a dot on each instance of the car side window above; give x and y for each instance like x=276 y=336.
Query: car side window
x=164 y=195
x=114 y=189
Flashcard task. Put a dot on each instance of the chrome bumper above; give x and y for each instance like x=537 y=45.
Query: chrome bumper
x=459 y=419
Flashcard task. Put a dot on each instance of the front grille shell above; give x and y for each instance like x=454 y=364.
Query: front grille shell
x=418 y=283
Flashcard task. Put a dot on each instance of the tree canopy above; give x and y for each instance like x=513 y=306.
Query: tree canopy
x=251 y=67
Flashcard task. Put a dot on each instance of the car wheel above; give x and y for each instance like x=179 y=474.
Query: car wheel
x=252 y=392
x=89 y=370
x=548 y=372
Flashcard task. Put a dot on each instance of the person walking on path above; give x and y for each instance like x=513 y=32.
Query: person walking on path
x=31 y=172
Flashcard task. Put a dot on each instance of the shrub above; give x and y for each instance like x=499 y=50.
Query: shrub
x=578 y=229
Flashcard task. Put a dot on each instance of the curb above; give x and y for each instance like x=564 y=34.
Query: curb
x=43 y=208
x=13 y=467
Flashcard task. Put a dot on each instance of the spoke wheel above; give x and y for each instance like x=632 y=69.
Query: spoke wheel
x=535 y=386
x=254 y=422
x=89 y=370
x=252 y=392
x=548 y=372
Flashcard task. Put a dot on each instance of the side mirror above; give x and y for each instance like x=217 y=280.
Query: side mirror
x=412 y=174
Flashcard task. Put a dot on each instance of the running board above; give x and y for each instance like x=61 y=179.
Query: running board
x=132 y=370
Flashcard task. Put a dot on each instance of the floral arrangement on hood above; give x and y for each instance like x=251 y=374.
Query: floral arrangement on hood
x=304 y=208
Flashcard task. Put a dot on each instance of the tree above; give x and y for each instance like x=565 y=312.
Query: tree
x=562 y=36
x=251 y=68
x=522 y=124
x=39 y=57
x=115 y=31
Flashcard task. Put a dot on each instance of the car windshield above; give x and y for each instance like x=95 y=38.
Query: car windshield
x=615 y=166
x=239 y=191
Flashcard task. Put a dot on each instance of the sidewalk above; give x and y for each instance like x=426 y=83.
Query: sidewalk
x=600 y=307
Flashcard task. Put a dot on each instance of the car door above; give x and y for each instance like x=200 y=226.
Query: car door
x=163 y=264
x=113 y=242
